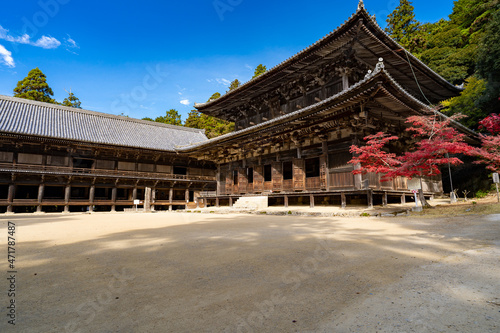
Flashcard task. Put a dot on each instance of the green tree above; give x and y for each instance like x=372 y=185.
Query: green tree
x=450 y=47
x=235 y=84
x=72 y=101
x=214 y=96
x=401 y=24
x=171 y=117
x=213 y=126
x=34 y=87
x=488 y=64
x=466 y=103
x=194 y=120
x=261 y=69
x=148 y=119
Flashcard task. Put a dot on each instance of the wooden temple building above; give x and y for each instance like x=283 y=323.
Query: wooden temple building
x=60 y=159
x=296 y=122
x=294 y=126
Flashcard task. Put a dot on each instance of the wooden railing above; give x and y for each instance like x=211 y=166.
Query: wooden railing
x=47 y=169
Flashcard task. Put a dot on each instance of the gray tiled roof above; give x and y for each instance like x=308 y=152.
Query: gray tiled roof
x=21 y=116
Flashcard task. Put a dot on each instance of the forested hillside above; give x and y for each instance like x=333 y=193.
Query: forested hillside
x=464 y=49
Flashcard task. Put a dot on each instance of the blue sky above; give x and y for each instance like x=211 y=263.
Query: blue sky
x=141 y=58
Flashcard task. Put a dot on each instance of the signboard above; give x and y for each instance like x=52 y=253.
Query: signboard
x=414 y=184
x=137 y=202
x=496 y=178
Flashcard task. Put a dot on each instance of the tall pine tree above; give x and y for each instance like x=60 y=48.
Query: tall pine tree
x=171 y=117
x=261 y=69
x=34 y=87
x=401 y=24
x=235 y=84
x=72 y=101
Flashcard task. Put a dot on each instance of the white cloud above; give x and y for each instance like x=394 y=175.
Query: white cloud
x=223 y=81
x=185 y=102
x=6 y=57
x=248 y=67
x=45 y=42
x=70 y=42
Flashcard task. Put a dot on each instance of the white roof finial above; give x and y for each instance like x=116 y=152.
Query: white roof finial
x=361 y=5
x=380 y=65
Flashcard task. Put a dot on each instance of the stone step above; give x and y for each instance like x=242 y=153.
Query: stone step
x=251 y=203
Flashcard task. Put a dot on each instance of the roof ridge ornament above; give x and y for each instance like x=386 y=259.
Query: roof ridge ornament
x=361 y=5
x=380 y=65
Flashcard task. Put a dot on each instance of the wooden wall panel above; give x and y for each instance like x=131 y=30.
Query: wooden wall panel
x=277 y=169
x=164 y=168
x=242 y=180
x=29 y=158
x=6 y=156
x=99 y=164
x=229 y=182
x=145 y=167
x=129 y=166
x=400 y=183
x=60 y=160
x=258 y=178
x=342 y=180
x=299 y=174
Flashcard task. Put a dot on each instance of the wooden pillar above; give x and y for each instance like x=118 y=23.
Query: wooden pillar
x=170 y=198
x=345 y=80
x=324 y=148
x=134 y=193
x=403 y=199
x=218 y=180
x=113 y=198
x=358 y=179
x=343 y=200
x=186 y=198
x=91 y=198
x=311 y=200
x=197 y=200
x=153 y=199
x=217 y=202
x=369 y=198
x=10 y=197
x=286 y=201
x=67 y=194
x=230 y=202
x=41 y=189
x=147 y=199
x=384 y=199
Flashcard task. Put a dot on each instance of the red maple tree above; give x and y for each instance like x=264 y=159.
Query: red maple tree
x=489 y=153
x=435 y=140
x=491 y=123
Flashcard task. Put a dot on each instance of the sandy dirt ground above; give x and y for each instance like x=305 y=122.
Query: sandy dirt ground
x=177 y=272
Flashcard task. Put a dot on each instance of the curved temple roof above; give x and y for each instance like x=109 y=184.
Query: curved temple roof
x=25 y=117
x=404 y=103
x=369 y=42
